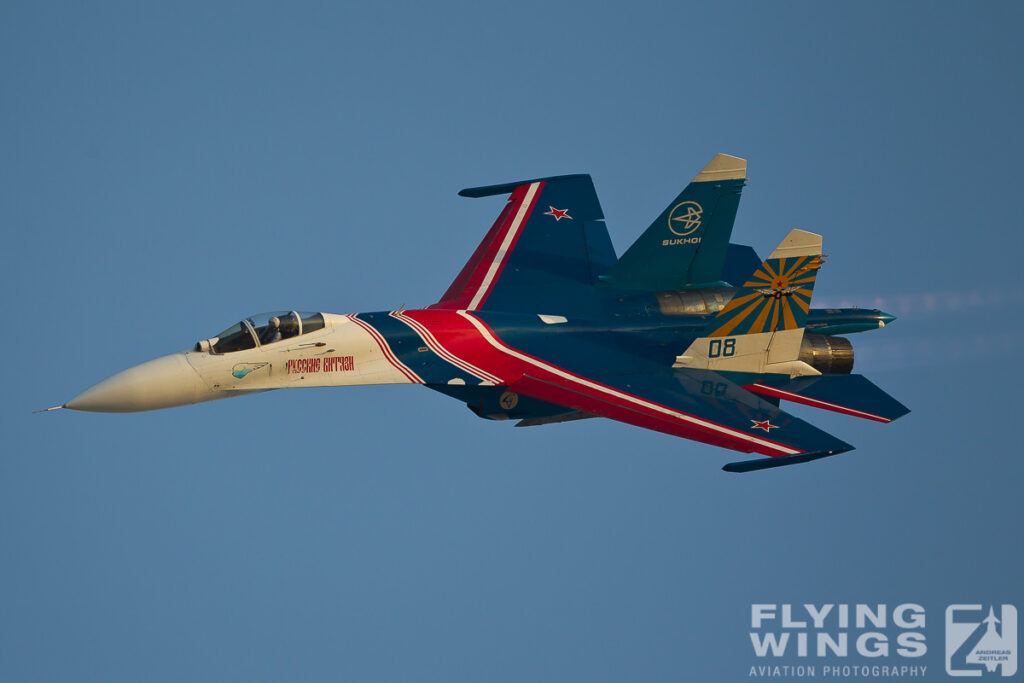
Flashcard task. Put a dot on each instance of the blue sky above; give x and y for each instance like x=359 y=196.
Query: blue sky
x=170 y=169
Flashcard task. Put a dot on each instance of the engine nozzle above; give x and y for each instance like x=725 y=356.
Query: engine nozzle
x=828 y=355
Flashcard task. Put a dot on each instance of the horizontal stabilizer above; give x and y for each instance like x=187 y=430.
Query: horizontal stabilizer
x=781 y=461
x=847 y=394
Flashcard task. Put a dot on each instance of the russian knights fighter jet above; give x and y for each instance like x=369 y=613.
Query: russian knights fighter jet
x=685 y=334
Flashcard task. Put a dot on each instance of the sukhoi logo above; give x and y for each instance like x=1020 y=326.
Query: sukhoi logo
x=684 y=218
x=981 y=640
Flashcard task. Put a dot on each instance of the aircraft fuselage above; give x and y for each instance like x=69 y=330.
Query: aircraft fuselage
x=431 y=347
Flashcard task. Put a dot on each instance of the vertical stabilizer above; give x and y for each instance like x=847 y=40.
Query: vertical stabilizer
x=686 y=244
x=761 y=327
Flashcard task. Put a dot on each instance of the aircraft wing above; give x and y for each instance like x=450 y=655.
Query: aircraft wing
x=571 y=368
x=695 y=404
x=542 y=255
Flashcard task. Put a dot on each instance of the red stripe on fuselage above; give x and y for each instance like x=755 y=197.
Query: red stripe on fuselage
x=438 y=348
x=461 y=338
x=467 y=335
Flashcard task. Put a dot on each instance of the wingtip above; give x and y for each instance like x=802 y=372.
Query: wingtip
x=506 y=188
x=784 y=460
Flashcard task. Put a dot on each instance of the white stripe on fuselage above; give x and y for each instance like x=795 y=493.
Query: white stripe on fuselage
x=389 y=355
x=436 y=346
x=485 y=333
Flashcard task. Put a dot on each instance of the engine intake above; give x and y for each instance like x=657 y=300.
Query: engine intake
x=828 y=355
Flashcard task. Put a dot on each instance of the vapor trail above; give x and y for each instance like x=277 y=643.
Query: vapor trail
x=889 y=354
x=949 y=301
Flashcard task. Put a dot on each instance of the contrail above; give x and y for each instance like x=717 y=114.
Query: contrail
x=933 y=350
x=925 y=303
x=887 y=354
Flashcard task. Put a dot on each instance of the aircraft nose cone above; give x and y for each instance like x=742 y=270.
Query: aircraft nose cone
x=884 y=318
x=160 y=383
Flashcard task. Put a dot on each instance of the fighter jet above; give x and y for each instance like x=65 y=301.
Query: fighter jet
x=685 y=334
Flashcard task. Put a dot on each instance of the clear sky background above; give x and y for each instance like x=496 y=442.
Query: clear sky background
x=167 y=170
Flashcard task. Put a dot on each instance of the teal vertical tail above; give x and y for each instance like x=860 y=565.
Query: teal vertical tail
x=686 y=245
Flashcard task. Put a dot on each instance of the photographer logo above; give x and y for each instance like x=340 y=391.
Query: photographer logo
x=981 y=640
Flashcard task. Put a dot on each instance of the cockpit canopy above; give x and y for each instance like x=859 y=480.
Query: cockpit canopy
x=262 y=329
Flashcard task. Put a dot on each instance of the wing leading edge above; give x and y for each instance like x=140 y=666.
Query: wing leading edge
x=542 y=255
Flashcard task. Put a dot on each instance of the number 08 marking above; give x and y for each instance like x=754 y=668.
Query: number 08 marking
x=724 y=348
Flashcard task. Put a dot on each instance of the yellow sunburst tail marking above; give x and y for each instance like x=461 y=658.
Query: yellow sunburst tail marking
x=778 y=295
x=760 y=329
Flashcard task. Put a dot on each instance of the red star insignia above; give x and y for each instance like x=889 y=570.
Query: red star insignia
x=559 y=214
x=766 y=425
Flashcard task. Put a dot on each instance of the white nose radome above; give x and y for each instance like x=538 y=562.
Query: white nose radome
x=160 y=383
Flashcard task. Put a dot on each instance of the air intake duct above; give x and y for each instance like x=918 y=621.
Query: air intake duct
x=828 y=355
